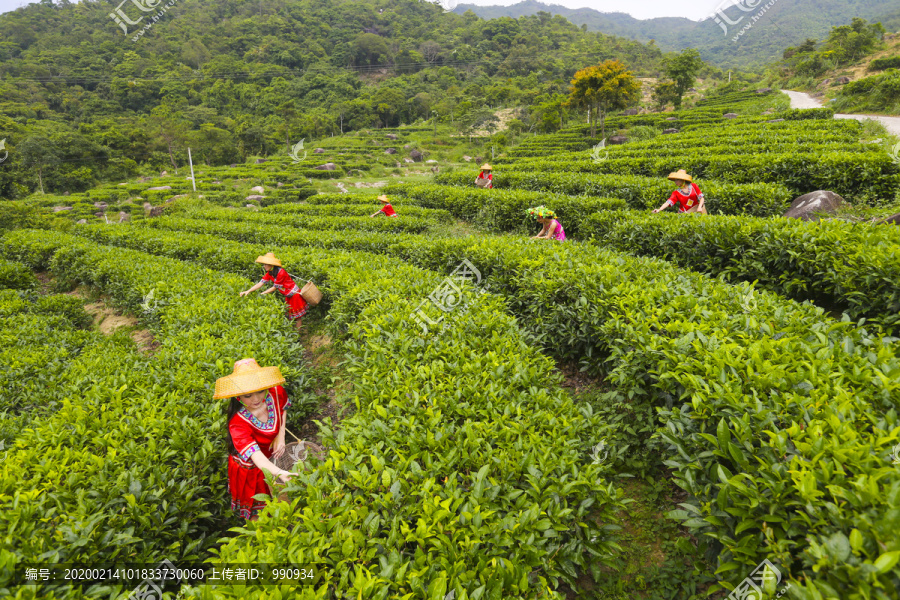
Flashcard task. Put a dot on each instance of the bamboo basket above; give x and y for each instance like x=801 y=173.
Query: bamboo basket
x=298 y=452
x=311 y=293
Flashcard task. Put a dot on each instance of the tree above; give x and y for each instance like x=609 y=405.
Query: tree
x=664 y=93
x=603 y=88
x=682 y=69
x=38 y=152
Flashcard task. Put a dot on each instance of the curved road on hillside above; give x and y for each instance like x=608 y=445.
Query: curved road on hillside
x=802 y=100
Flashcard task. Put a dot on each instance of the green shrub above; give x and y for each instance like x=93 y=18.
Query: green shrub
x=16 y=276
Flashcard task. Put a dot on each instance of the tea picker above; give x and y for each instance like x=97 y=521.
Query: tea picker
x=387 y=209
x=485 y=180
x=256 y=426
x=552 y=229
x=298 y=300
x=687 y=196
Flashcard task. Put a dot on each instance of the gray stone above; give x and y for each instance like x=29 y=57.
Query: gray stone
x=825 y=81
x=431 y=161
x=391 y=136
x=630 y=112
x=671 y=118
x=467 y=158
x=232 y=166
x=164 y=173
x=147 y=206
x=730 y=115
x=416 y=156
x=253 y=206
x=159 y=189
x=260 y=161
x=892 y=220
x=102 y=205
x=617 y=139
x=408 y=160
x=124 y=217
x=763 y=90
x=806 y=206
x=326 y=167
x=157 y=211
x=672 y=130
x=173 y=198
x=407 y=147
x=391 y=151
x=81 y=222
x=775 y=121
x=319 y=151
x=60 y=208
x=279 y=184
x=258 y=189
x=99 y=215
x=842 y=80
x=254 y=198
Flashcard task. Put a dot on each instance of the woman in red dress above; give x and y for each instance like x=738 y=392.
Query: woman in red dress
x=281 y=281
x=387 y=209
x=687 y=196
x=485 y=177
x=256 y=425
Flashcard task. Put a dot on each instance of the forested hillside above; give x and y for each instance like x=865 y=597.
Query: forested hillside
x=783 y=24
x=84 y=98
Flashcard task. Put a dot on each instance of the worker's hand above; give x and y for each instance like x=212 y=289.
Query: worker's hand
x=244 y=293
x=278 y=447
x=656 y=210
x=285 y=476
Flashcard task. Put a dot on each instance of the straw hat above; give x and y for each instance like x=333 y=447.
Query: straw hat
x=383 y=198
x=248 y=377
x=269 y=259
x=680 y=174
x=486 y=167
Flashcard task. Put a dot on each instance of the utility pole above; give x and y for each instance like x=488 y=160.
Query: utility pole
x=191 y=162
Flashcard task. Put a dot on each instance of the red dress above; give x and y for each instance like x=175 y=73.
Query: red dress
x=250 y=435
x=296 y=305
x=686 y=201
x=489 y=177
x=389 y=210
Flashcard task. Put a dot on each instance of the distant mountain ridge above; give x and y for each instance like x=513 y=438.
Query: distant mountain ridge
x=785 y=23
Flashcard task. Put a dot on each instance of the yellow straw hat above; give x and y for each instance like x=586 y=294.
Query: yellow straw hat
x=269 y=259
x=486 y=167
x=383 y=197
x=680 y=174
x=247 y=377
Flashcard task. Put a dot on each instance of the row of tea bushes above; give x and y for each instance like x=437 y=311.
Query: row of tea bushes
x=761 y=200
x=438 y=215
x=464 y=467
x=838 y=265
x=873 y=174
x=382 y=224
x=774 y=413
x=756 y=388
x=504 y=210
x=131 y=467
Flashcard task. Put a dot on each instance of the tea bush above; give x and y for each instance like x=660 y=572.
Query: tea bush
x=844 y=266
x=640 y=192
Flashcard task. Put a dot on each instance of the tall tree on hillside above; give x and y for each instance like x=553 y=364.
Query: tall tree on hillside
x=682 y=69
x=38 y=152
x=603 y=88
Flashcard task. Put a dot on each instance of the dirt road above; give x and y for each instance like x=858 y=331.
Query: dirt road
x=803 y=100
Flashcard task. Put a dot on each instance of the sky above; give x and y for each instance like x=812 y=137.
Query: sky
x=644 y=9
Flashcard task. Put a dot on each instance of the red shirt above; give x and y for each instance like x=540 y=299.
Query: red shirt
x=388 y=210
x=282 y=281
x=684 y=202
x=250 y=435
x=489 y=177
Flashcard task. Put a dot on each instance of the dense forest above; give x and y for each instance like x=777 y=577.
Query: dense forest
x=784 y=23
x=85 y=95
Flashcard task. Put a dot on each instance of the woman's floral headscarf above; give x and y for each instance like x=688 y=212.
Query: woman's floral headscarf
x=541 y=212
